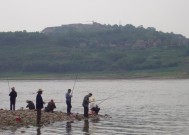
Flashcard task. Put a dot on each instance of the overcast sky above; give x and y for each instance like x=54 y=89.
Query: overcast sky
x=35 y=15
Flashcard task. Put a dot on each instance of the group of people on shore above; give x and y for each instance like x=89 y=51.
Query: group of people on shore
x=93 y=106
x=51 y=105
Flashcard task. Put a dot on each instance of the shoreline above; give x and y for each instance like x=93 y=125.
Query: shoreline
x=96 y=78
x=26 y=118
x=151 y=75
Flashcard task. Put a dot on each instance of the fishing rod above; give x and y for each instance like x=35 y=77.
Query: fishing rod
x=106 y=98
x=74 y=84
x=110 y=97
x=8 y=85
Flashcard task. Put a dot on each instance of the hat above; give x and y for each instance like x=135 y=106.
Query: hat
x=40 y=90
x=27 y=101
x=93 y=99
x=13 y=88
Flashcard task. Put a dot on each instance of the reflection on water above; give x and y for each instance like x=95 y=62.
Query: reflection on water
x=69 y=127
x=141 y=107
x=38 y=130
x=95 y=120
x=86 y=127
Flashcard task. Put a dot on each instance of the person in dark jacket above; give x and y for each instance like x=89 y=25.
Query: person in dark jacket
x=39 y=105
x=50 y=107
x=13 y=95
x=86 y=104
x=30 y=105
x=68 y=101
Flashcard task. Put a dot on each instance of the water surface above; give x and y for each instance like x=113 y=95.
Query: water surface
x=137 y=107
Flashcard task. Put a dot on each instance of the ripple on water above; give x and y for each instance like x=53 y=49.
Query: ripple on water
x=148 y=107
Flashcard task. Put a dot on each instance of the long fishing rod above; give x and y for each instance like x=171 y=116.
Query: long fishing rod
x=106 y=99
x=102 y=100
x=110 y=97
x=74 y=84
x=8 y=85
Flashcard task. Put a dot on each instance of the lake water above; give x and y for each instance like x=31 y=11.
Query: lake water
x=137 y=107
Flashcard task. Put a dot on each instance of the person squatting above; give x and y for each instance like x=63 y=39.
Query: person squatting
x=51 y=105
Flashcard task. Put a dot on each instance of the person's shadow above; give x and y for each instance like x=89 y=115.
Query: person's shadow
x=86 y=127
x=69 y=127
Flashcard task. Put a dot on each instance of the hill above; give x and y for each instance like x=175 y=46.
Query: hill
x=94 y=50
x=106 y=35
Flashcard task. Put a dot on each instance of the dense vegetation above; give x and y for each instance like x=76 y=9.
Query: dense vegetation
x=92 y=48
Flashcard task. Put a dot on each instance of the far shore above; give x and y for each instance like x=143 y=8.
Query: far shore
x=150 y=75
x=99 y=78
x=117 y=78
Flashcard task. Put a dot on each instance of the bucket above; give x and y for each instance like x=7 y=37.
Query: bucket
x=18 y=119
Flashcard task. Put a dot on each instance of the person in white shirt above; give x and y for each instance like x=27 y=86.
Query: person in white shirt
x=94 y=107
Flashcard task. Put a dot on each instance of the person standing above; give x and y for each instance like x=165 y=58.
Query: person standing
x=86 y=104
x=68 y=101
x=13 y=95
x=39 y=105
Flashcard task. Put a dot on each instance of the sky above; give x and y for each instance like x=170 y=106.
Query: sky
x=35 y=15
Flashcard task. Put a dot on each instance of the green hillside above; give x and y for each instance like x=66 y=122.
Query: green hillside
x=94 y=51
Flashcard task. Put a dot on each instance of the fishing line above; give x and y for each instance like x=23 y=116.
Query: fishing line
x=8 y=85
x=74 y=84
x=106 y=98
x=110 y=98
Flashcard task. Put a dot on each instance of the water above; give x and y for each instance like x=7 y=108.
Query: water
x=142 y=107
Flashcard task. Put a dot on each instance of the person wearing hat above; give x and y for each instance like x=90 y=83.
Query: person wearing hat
x=94 y=107
x=86 y=104
x=39 y=105
x=68 y=101
x=30 y=105
x=13 y=95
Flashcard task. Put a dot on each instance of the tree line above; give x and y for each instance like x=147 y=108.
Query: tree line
x=90 y=48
